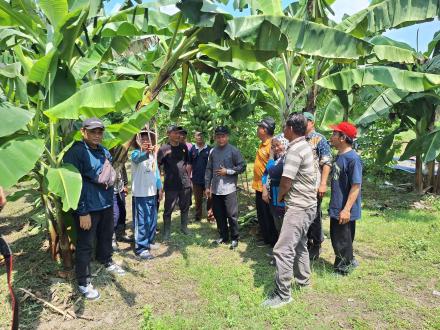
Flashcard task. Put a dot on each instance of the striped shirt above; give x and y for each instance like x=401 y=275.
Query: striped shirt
x=300 y=167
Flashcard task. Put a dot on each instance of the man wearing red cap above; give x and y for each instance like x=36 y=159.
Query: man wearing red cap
x=345 y=200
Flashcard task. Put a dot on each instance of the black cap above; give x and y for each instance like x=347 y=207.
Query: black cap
x=174 y=128
x=269 y=124
x=184 y=132
x=221 y=130
x=92 y=123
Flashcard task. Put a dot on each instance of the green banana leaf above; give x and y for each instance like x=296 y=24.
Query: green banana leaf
x=201 y=13
x=43 y=69
x=333 y=113
x=389 y=14
x=18 y=156
x=267 y=7
x=10 y=70
x=433 y=44
x=236 y=57
x=10 y=37
x=427 y=145
x=382 y=76
x=55 y=10
x=304 y=37
x=393 y=54
x=122 y=132
x=98 y=100
x=381 y=106
x=66 y=183
x=13 y=119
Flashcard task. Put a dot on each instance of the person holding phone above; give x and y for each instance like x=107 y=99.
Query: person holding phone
x=146 y=190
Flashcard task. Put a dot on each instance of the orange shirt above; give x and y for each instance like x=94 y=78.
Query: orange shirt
x=261 y=159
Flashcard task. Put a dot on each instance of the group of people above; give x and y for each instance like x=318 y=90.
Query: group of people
x=291 y=172
x=294 y=168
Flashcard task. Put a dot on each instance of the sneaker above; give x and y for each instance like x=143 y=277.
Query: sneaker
x=275 y=301
x=115 y=269
x=145 y=255
x=89 y=292
x=234 y=245
x=124 y=238
x=154 y=246
x=261 y=243
x=354 y=263
x=272 y=262
x=219 y=241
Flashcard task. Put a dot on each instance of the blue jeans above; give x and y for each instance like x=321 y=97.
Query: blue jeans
x=144 y=222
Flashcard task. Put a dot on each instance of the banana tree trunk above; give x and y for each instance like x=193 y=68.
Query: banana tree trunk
x=311 y=99
x=437 y=182
x=419 y=175
x=59 y=242
x=430 y=180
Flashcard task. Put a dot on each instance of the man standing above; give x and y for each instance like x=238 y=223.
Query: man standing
x=297 y=189
x=199 y=159
x=265 y=132
x=345 y=200
x=323 y=158
x=174 y=157
x=94 y=215
x=224 y=164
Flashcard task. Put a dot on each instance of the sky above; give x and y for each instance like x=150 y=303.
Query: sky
x=340 y=7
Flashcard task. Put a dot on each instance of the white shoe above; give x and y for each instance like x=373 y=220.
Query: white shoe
x=115 y=269
x=89 y=292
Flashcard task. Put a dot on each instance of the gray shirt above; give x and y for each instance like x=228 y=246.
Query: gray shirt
x=230 y=158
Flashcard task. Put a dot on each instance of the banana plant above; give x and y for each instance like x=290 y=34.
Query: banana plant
x=53 y=54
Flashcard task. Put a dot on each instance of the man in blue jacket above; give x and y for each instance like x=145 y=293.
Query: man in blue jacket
x=94 y=215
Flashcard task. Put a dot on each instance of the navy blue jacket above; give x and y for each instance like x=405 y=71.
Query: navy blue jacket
x=89 y=162
x=199 y=160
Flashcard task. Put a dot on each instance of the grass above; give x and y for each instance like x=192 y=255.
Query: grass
x=193 y=285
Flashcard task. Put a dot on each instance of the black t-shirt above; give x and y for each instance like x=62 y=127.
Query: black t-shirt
x=174 y=161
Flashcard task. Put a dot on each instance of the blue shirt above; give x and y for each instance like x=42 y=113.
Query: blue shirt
x=199 y=160
x=346 y=171
x=89 y=162
x=273 y=173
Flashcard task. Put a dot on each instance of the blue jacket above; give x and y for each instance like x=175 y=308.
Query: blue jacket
x=199 y=160
x=274 y=171
x=89 y=162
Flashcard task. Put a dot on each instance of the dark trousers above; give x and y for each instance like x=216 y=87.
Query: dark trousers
x=172 y=197
x=315 y=235
x=199 y=193
x=119 y=210
x=225 y=208
x=101 y=232
x=265 y=220
x=342 y=237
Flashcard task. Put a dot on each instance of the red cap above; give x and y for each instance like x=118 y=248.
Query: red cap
x=346 y=128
